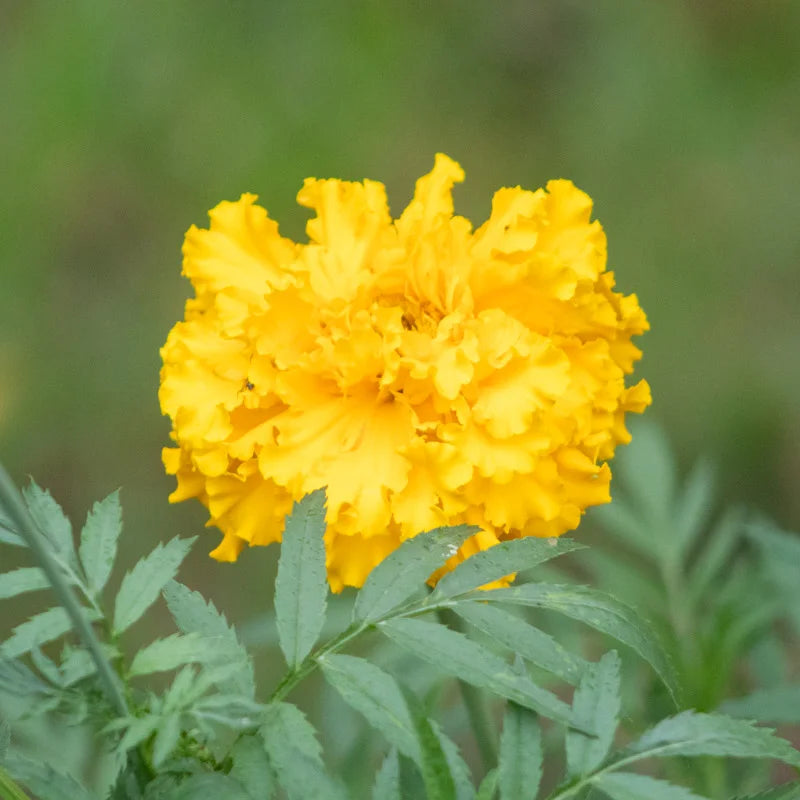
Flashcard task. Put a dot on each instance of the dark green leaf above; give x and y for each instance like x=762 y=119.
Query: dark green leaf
x=693 y=734
x=173 y=652
x=780 y=705
x=439 y=783
x=5 y=739
x=251 y=768
x=459 y=770
x=601 y=611
x=532 y=644
x=629 y=786
x=457 y=655
x=51 y=522
x=720 y=546
x=142 y=585
x=209 y=785
x=387 y=781
x=193 y=614
x=488 y=787
x=500 y=561
x=404 y=572
x=98 y=547
x=520 y=761
x=376 y=695
x=788 y=791
x=692 y=509
x=44 y=781
x=596 y=703
x=301 y=588
x=24 y=579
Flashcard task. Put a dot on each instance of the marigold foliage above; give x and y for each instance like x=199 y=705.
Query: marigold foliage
x=424 y=372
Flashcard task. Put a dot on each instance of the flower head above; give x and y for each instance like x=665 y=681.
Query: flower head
x=424 y=372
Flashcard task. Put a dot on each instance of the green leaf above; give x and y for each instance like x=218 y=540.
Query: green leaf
x=194 y=615
x=692 y=509
x=439 y=783
x=462 y=780
x=404 y=572
x=596 y=703
x=209 y=785
x=600 y=611
x=44 y=781
x=98 y=546
x=38 y=630
x=629 y=786
x=455 y=654
x=167 y=735
x=5 y=739
x=251 y=768
x=18 y=679
x=721 y=544
x=172 y=652
x=516 y=634
x=693 y=734
x=142 y=585
x=788 y=791
x=51 y=522
x=294 y=753
x=387 y=780
x=24 y=579
x=8 y=534
x=780 y=705
x=520 y=758
x=301 y=588
x=500 y=561
x=488 y=787
x=376 y=695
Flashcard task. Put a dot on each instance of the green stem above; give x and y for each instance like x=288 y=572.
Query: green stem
x=9 y=788
x=11 y=499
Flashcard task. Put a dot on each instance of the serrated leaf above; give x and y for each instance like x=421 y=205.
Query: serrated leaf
x=694 y=734
x=209 y=785
x=520 y=757
x=51 y=522
x=18 y=679
x=38 y=630
x=375 y=694
x=600 y=611
x=788 y=791
x=98 y=545
x=173 y=652
x=301 y=587
x=193 y=614
x=596 y=702
x=137 y=729
x=387 y=780
x=167 y=735
x=499 y=561
x=455 y=654
x=780 y=705
x=488 y=787
x=439 y=783
x=404 y=571
x=251 y=768
x=76 y=666
x=294 y=753
x=532 y=644
x=24 y=579
x=629 y=786
x=44 y=781
x=142 y=585
x=462 y=779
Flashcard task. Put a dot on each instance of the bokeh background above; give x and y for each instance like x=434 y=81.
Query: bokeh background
x=122 y=123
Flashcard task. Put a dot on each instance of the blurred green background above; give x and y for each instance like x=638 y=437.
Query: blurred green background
x=122 y=123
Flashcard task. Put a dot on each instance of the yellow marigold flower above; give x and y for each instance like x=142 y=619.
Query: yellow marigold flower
x=424 y=372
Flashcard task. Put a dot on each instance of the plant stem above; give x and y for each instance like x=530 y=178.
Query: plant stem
x=9 y=788
x=11 y=499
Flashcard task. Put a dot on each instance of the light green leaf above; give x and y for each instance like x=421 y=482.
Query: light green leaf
x=387 y=781
x=532 y=644
x=457 y=655
x=693 y=734
x=376 y=695
x=137 y=729
x=167 y=735
x=24 y=579
x=720 y=546
x=98 y=547
x=301 y=588
x=780 y=704
x=142 y=585
x=439 y=783
x=251 y=768
x=18 y=679
x=601 y=611
x=788 y=791
x=462 y=779
x=209 y=785
x=44 y=781
x=193 y=614
x=294 y=753
x=38 y=630
x=404 y=572
x=51 y=522
x=488 y=787
x=629 y=786
x=500 y=561
x=172 y=652
x=520 y=758
x=8 y=534
x=596 y=703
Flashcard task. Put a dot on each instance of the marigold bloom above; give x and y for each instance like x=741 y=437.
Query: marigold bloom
x=423 y=372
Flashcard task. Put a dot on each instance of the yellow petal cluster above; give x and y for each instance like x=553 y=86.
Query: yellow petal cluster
x=424 y=372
